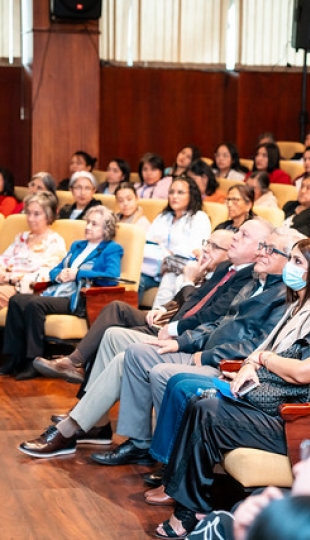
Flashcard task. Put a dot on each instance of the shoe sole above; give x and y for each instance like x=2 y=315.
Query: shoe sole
x=94 y=441
x=131 y=462
x=166 y=503
x=53 y=374
x=65 y=451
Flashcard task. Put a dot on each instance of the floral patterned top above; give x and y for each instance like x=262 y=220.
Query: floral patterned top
x=36 y=260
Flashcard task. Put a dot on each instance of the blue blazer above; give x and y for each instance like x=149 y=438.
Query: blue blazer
x=104 y=260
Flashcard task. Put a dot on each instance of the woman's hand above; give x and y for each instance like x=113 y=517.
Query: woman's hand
x=67 y=274
x=246 y=373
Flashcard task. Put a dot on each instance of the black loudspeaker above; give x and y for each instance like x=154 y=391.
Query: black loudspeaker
x=75 y=10
x=301 y=25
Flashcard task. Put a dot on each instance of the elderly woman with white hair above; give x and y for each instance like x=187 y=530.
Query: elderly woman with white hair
x=83 y=186
x=91 y=259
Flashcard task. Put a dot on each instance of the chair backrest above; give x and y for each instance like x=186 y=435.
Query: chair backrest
x=21 y=192
x=101 y=176
x=107 y=200
x=217 y=212
x=273 y=215
x=208 y=160
x=289 y=148
x=292 y=168
x=248 y=163
x=225 y=183
x=132 y=239
x=284 y=193
x=69 y=229
x=152 y=207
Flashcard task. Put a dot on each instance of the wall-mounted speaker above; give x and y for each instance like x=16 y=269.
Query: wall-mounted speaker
x=301 y=25
x=75 y=10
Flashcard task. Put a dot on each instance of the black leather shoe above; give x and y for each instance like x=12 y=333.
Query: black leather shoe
x=56 y=418
x=154 y=478
x=8 y=368
x=28 y=373
x=124 y=454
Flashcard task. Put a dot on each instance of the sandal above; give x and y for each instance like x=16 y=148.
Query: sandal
x=186 y=517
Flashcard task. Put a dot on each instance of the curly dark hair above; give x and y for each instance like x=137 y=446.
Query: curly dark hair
x=195 y=202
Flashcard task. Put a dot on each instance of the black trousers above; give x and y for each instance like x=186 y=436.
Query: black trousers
x=212 y=427
x=24 y=327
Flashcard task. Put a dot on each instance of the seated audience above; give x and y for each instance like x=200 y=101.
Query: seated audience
x=41 y=181
x=83 y=187
x=184 y=158
x=263 y=196
x=93 y=258
x=172 y=237
x=226 y=162
x=128 y=204
x=118 y=171
x=207 y=184
x=215 y=252
x=8 y=202
x=153 y=184
x=280 y=362
x=103 y=388
x=267 y=158
x=80 y=161
x=297 y=213
x=306 y=163
x=239 y=200
x=34 y=252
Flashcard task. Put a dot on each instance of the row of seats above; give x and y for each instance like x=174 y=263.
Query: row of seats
x=216 y=212
x=70 y=327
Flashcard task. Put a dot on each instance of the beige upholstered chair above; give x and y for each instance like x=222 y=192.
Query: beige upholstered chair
x=21 y=192
x=247 y=163
x=289 y=148
x=255 y=468
x=225 y=183
x=273 y=215
x=217 y=212
x=208 y=161
x=71 y=328
x=106 y=200
x=292 y=168
x=101 y=176
x=284 y=193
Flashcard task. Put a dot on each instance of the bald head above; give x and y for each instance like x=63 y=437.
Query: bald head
x=243 y=248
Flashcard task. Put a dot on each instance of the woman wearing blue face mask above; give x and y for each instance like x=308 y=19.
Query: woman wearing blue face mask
x=280 y=367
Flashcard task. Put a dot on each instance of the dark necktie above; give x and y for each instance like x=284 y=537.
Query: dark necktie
x=203 y=300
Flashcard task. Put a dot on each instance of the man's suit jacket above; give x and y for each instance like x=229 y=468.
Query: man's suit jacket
x=219 y=302
x=246 y=324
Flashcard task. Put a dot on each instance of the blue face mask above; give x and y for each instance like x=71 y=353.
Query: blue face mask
x=292 y=276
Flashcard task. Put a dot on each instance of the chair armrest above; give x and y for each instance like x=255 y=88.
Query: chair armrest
x=230 y=365
x=99 y=297
x=297 y=426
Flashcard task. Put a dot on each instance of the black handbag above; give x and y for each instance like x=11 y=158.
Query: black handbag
x=273 y=390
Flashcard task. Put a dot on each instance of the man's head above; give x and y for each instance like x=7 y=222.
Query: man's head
x=215 y=249
x=273 y=254
x=244 y=244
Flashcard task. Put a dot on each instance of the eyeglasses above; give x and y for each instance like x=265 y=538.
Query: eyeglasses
x=269 y=250
x=233 y=200
x=212 y=245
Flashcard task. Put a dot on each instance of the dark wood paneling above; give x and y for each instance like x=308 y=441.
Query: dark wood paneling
x=159 y=110
x=14 y=132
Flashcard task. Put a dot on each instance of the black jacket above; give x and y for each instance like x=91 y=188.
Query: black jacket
x=65 y=211
x=301 y=222
x=219 y=302
x=245 y=325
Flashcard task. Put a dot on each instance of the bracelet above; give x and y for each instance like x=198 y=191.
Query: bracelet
x=248 y=361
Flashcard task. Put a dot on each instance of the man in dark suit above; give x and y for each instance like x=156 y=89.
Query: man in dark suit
x=103 y=388
x=252 y=315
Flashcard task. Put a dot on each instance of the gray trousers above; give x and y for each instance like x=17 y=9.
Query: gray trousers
x=104 y=384
x=140 y=377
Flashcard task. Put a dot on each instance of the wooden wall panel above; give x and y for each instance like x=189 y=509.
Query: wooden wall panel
x=159 y=110
x=14 y=132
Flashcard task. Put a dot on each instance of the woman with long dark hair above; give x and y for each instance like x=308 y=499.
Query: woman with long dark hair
x=205 y=179
x=172 y=237
x=267 y=158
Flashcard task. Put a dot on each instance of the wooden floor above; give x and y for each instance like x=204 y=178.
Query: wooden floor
x=63 y=498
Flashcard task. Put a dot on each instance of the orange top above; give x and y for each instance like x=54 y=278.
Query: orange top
x=218 y=196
